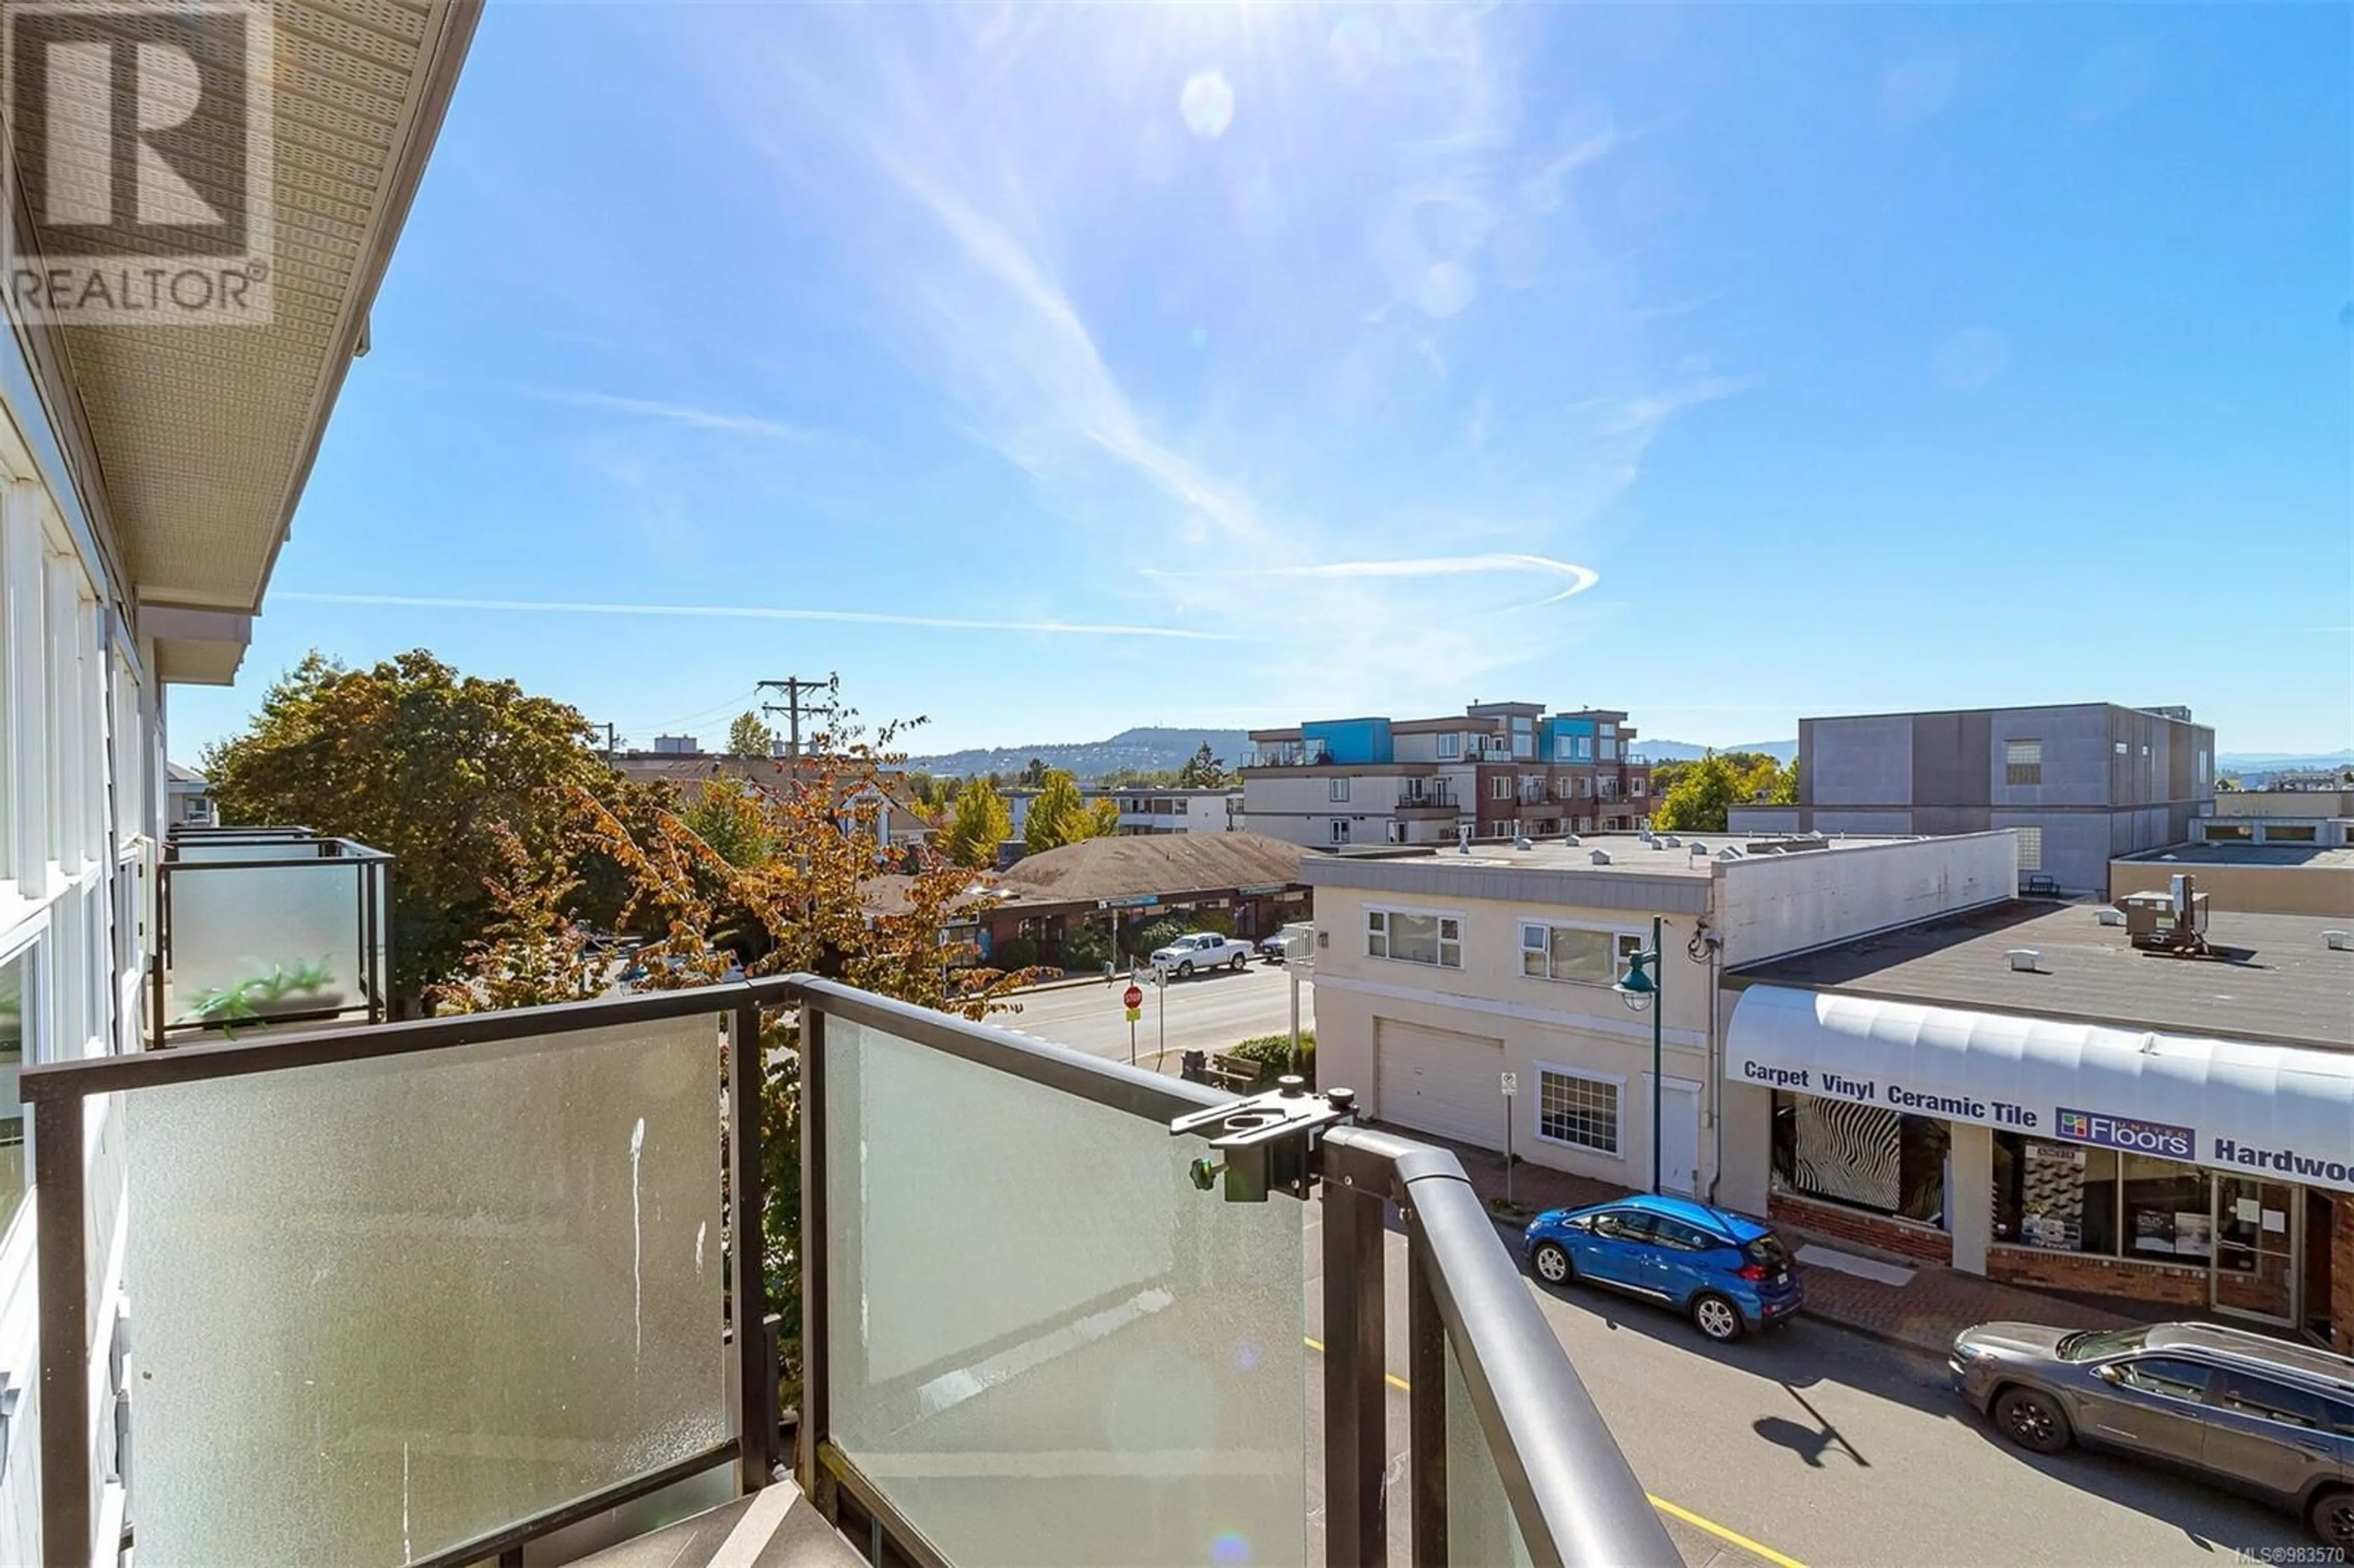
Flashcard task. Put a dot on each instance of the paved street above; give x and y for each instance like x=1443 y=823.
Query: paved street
x=1820 y=1447
x=1208 y=1012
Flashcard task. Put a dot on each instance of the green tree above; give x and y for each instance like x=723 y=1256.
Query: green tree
x=1701 y=794
x=978 y=823
x=1102 y=817
x=1034 y=777
x=1058 y=816
x=725 y=815
x=422 y=763
x=748 y=737
x=1204 y=771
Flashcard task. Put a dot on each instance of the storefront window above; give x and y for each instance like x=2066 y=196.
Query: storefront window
x=2067 y=1197
x=1865 y=1156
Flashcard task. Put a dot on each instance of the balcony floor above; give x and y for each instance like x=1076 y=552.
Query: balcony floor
x=777 y=1528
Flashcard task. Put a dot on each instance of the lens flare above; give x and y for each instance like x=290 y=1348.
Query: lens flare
x=1207 y=104
x=1230 y=1546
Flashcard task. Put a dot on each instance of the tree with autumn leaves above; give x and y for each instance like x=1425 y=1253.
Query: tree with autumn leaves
x=465 y=779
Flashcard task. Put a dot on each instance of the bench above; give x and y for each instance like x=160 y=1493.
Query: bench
x=1237 y=1074
x=2040 y=885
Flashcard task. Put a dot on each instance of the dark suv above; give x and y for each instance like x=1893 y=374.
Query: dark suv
x=2259 y=1415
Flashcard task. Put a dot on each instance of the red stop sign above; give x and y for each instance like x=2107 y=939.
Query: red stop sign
x=1131 y=997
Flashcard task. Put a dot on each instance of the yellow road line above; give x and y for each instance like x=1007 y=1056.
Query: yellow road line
x=1732 y=1536
x=1672 y=1511
x=1390 y=1378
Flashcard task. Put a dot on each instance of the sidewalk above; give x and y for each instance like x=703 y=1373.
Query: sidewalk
x=1923 y=1313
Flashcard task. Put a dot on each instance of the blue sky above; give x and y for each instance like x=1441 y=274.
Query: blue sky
x=1724 y=365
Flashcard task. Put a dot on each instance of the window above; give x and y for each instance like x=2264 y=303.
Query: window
x=1397 y=832
x=1500 y=788
x=2120 y=748
x=1683 y=1238
x=1415 y=939
x=1579 y=1110
x=2167 y=1375
x=1577 y=954
x=1523 y=738
x=2030 y=848
x=2245 y=1394
x=2205 y=779
x=1450 y=747
x=1624 y=1224
x=1584 y=786
x=1608 y=750
x=2022 y=762
x=1340 y=830
x=1336 y=788
x=2073 y=1197
x=16 y=1036
x=1635 y=785
x=1864 y=1156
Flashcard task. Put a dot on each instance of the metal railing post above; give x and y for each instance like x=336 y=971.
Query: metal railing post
x=815 y=1427
x=62 y=1268
x=1356 y=1410
x=749 y=1278
x=1426 y=1339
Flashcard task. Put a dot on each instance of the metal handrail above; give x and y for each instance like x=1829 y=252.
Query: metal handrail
x=56 y=1091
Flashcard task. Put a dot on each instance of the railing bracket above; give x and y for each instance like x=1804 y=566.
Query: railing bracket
x=1270 y=1139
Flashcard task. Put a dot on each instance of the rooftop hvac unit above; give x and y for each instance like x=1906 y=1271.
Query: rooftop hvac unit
x=2337 y=941
x=2024 y=960
x=2173 y=921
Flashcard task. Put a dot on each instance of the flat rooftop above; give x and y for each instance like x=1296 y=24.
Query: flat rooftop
x=2227 y=853
x=2272 y=978
x=1629 y=854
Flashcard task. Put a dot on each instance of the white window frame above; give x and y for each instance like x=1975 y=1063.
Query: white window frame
x=1622 y=935
x=1340 y=830
x=1501 y=786
x=1635 y=785
x=28 y=944
x=1336 y=792
x=1381 y=912
x=1450 y=747
x=1587 y=1075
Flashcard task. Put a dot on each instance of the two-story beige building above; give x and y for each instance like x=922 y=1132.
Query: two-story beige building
x=1437 y=975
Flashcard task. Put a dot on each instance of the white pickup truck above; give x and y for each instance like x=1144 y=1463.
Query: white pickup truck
x=1201 y=950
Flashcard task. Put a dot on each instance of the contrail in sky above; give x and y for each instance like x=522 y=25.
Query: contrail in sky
x=759 y=612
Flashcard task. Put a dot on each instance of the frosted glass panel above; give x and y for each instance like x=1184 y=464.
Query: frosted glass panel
x=281 y=939
x=1046 y=1346
x=1480 y=1530
x=246 y=848
x=386 y=1306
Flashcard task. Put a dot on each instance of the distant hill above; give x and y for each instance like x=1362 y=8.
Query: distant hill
x=2274 y=761
x=1683 y=751
x=1149 y=750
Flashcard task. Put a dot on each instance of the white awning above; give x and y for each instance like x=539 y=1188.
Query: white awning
x=2275 y=1109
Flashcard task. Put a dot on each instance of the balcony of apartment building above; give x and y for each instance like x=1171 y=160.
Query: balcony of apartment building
x=1421 y=797
x=1290 y=754
x=266 y=925
x=464 y=1290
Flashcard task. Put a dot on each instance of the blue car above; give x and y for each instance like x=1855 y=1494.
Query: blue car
x=1728 y=1273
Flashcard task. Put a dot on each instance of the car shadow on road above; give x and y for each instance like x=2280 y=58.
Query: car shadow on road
x=1805 y=1354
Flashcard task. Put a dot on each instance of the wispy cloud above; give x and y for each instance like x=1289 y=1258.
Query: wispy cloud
x=755 y=612
x=692 y=417
x=1643 y=413
x=1580 y=578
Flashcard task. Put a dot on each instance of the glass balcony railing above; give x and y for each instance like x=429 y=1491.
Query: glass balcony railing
x=1053 y=1306
x=265 y=926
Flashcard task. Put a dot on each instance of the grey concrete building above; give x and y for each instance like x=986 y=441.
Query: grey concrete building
x=2081 y=783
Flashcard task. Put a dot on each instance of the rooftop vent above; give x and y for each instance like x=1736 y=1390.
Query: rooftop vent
x=1570 y=839
x=1728 y=853
x=2024 y=961
x=2337 y=941
x=1521 y=842
x=2111 y=917
x=1602 y=857
x=1671 y=841
x=1698 y=847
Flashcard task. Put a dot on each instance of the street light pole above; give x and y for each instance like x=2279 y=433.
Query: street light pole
x=1659 y=1011
x=1639 y=989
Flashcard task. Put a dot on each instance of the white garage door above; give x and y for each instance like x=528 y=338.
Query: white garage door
x=1434 y=1080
